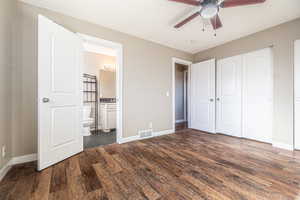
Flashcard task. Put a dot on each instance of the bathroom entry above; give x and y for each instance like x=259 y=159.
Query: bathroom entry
x=99 y=88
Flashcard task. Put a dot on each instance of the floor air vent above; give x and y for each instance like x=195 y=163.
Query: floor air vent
x=146 y=133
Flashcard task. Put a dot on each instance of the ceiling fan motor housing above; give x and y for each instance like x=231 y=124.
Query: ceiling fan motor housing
x=209 y=9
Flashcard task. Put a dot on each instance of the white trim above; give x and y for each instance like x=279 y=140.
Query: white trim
x=180 y=120
x=15 y=161
x=99 y=49
x=23 y=159
x=296 y=98
x=165 y=132
x=185 y=88
x=119 y=73
x=130 y=139
x=137 y=137
x=283 y=146
x=184 y=62
x=4 y=170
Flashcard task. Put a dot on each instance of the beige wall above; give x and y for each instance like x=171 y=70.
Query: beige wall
x=147 y=78
x=282 y=37
x=6 y=18
x=179 y=91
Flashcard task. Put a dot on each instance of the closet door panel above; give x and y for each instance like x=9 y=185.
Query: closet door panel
x=229 y=72
x=258 y=95
x=202 y=90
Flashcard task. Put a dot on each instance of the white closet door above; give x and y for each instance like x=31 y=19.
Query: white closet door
x=297 y=94
x=202 y=90
x=229 y=100
x=258 y=95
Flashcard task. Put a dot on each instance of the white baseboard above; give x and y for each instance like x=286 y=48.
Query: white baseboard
x=129 y=139
x=165 y=132
x=15 y=161
x=180 y=120
x=4 y=170
x=283 y=146
x=137 y=137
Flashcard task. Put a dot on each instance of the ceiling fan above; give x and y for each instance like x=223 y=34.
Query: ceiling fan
x=209 y=9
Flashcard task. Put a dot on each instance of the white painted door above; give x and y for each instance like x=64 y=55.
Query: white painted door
x=229 y=96
x=297 y=94
x=202 y=94
x=258 y=95
x=59 y=93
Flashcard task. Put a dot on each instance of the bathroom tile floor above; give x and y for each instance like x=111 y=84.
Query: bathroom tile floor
x=99 y=139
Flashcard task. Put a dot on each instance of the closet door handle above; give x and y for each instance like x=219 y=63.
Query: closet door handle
x=218 y=99
x=211 y=100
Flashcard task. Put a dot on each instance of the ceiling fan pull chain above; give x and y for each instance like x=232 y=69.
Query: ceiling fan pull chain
x=215 y=28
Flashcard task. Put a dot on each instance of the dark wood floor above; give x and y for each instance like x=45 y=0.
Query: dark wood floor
x=181 y=126
x=185 y=165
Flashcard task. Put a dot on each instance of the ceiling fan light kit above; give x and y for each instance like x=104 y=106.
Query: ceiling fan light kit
x=209 y=9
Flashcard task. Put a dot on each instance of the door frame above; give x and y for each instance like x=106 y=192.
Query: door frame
x=188 y=64
x=295 y=145
x=185 y=93
x=118 y=48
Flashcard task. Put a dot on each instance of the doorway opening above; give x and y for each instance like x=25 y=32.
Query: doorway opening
x=180 y=94
x=101 y=92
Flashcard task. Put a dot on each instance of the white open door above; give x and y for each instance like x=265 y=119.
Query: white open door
x=229 y=96
x=59 y=93
x=202 y=89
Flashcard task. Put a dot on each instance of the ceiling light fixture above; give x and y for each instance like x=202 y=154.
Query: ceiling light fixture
x=209 y=11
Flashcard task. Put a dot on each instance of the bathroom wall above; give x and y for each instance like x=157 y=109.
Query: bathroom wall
x=107 y=81
x=94 y=62
x=7 y=16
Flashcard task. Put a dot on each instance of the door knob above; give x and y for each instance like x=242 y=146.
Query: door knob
x=211 y=100
x=218 y=99
x=46 y=100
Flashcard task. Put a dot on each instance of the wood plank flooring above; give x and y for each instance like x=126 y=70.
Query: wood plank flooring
x=180 y=126
x=185 y=165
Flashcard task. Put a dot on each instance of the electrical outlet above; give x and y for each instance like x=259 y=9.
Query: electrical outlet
x=167 y=93
x=3 y=151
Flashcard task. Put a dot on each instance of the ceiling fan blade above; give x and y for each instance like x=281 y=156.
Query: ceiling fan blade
x=216 y=22
x=233 y=3
x=189 y=2
x=190 y=18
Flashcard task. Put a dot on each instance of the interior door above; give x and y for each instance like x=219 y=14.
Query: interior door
x=59 y=93
x=229 y=96
x=297 y=94
x=202 y=94
x=258 y=95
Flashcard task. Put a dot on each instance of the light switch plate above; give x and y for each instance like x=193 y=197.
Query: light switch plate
x=3 y=151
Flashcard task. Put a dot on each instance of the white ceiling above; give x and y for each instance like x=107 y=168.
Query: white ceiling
x=153 y=19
